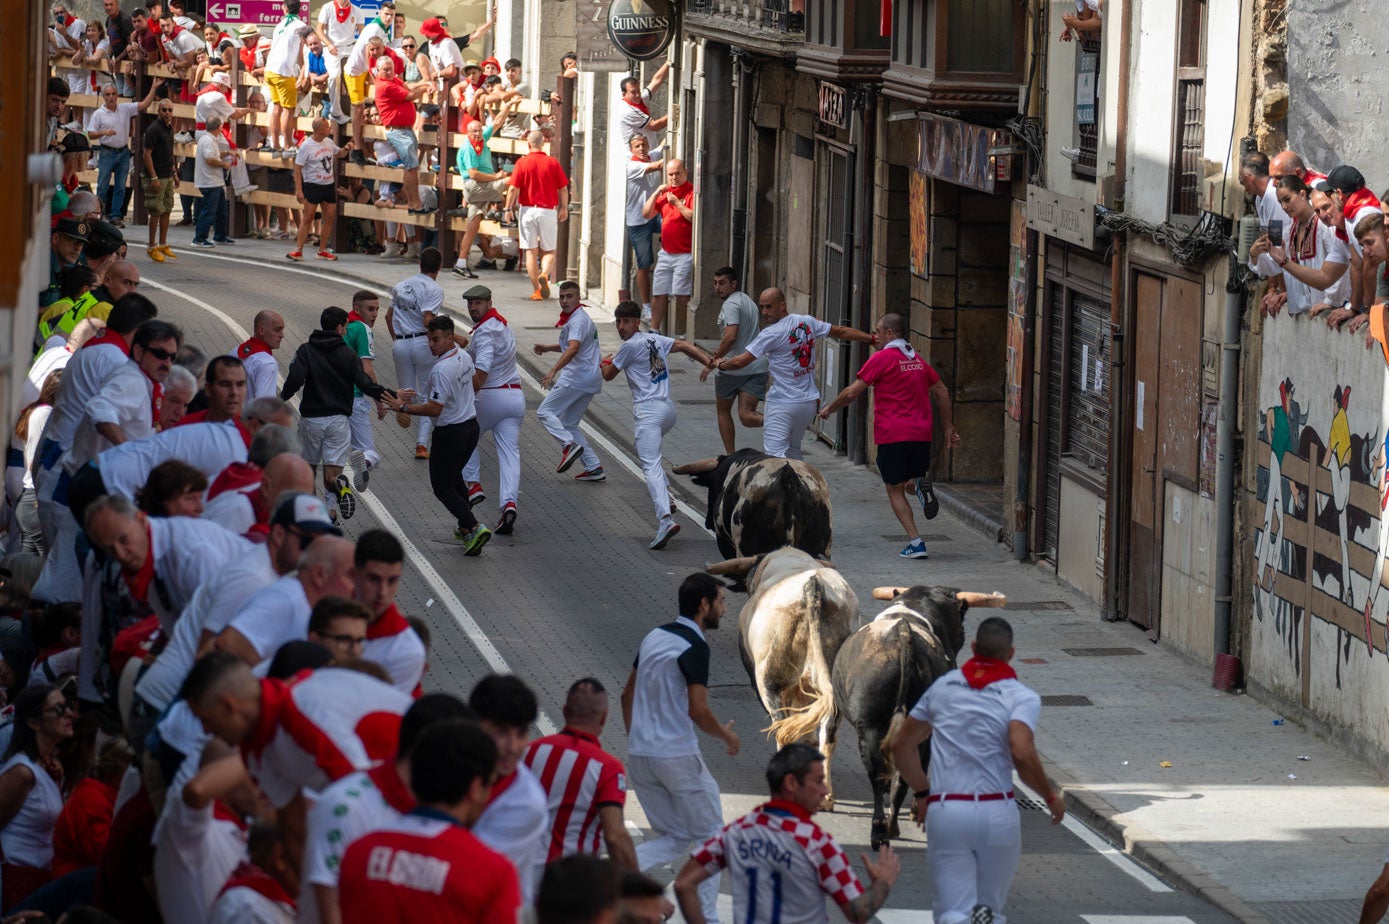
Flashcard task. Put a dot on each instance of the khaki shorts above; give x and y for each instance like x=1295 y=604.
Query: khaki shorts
x=356 y=88
x=159 y=195
x=283 y=90
x=480 y=195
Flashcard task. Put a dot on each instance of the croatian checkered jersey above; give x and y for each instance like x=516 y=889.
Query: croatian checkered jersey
x=782 y=865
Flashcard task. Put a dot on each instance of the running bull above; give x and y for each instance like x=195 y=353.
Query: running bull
x=884 y=668
x=759 y=503
x=798 y=614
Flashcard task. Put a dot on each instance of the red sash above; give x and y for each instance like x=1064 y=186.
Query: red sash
x=980 y=672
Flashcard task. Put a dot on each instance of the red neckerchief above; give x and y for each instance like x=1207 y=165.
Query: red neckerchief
x=564 y=318
x=139 y=582
x=251 y=347
x=245 y=434
x=387 y=624
x=642 y=106
x=222 y=812
x=71 y=182
x=787 y=806
x=1356 y=201
x=341 y=11
x=225 y=91
x=168 y=39
x=642 y=159
x=980 y=672
x=491 y=315
x=393 y=789
x=477 y=145
x=110 y=337
x=500 y=787
x=354 y=316
x=250 y=876
x=156 y=396
x=68 y=20
x=234 y=477
x=274 y=694
x=683 y=191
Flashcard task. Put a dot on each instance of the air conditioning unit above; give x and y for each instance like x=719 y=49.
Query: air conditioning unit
x=1220 y=191
x=1104 y=191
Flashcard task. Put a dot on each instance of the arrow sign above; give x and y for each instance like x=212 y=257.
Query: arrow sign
x=255 y=12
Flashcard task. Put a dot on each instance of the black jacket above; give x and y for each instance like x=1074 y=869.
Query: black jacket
x=327 y=368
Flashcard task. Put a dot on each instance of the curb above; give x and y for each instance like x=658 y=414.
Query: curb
x=990 y=527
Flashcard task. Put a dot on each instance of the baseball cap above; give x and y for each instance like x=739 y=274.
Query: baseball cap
x=73 y=228
x=477 y=292
x=1345 y=178
x=72 y=143
x=433 y=28
x=305 y=512
x=103 y=238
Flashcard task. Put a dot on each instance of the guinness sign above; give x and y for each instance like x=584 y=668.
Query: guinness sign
x=642 y=29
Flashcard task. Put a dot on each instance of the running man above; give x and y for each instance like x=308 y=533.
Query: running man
x=643 y=357
x=360 y=321
x=738 y=321
x=782 y=865
x=414 y=302
x=450 y=401
x=316 y=188
x=501 y=404
x=572 y=383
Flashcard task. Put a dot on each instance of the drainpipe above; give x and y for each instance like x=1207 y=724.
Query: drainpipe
x=1225 y=429
x=1023 y=492
x=738 y=226
x=864 y=137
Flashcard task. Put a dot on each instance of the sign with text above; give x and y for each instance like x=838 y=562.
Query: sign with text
x=596 y=50
x=643 y=29
x=1065 y=218
x=834 y=109
x=255 y=12
x=958 y=152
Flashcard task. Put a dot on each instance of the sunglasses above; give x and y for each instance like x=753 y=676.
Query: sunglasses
x=163 y=355
x=408 y=47
x=166 y=109
x=59 y=710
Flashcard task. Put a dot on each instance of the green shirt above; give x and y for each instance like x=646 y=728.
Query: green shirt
x=470 y=159
x=361 y=339
x=1281 y=439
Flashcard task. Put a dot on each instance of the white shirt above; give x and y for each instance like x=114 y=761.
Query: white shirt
x=1354 y=220
x=969 y=737
x=410 y=299
x=357 y=60
x=213 y=605
x=348 y=809
x=274 y=615
x=643 y=357
x=183 y=44
x=740 y=309
x=194 y=851
x=631 y=120
x=671 y=657
x=789 y=346
x=232 y=510
x=285 y=44
x=82 y=378
x=641 y=183
x=394 y=645
x=261 y=370
x=49 y=360
x=445 y=52
x=341 y=34
x=38 y=419
x=315 y=159
x=244 y=905
x=516 y=824
x=206 y=174
x=186 y=553
x=208 y=447
x=451 y=384
x=581 y=373
x=1268 y=207
x=1301 y=296
x=104 y=119
x=28 y=838
x=493 y=349
x=211 y=103
x=126 y=401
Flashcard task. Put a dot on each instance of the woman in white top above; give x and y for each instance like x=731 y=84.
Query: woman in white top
x=31 y=795
x=91 y=52
x=25 y=535
x=1311 y=258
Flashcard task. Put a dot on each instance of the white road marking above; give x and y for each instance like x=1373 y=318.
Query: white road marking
x=1135 y=919
x=443 y=592
x=1120 y=859
x=903 y=916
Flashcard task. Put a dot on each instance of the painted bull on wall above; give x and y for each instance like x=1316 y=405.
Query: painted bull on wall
x=884 y=668
x=798 y=614
x=759 y=503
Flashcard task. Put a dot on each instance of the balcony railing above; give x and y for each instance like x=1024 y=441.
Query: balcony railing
x=783 y=17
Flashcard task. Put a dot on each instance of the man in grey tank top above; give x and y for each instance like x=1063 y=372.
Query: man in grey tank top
x=738 y=319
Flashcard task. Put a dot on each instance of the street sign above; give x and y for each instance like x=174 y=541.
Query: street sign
x=256 y=12
x=833 y=108
x=1065 y=218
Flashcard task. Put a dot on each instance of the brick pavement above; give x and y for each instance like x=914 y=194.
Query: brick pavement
x=1225 y=820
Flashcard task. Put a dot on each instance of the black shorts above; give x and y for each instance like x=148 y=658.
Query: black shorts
x=282 y=180
x=319 y=193
x=899 y=462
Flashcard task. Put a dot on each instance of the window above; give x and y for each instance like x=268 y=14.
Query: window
x=1188 y=145
x=981 y=36
x=965 y=55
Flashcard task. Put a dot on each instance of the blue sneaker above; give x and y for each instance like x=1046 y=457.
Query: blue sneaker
x=926 y=494
x=203 y=243
x=915 y=549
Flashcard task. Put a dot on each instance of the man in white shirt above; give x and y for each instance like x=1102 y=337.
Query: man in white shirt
x=450 y=401
x=571 y=384
x=257 y=355
x=379 y=561
x=788 y=342
x=65 y=36
x=109 y=128
x=643 y=175
x=315 y=186
x=635 y=112
x=210 y=164
x=444 y=53
x=738 y=321
x=501 y=404
x=643 y=357
x=516 y=821
x=281 y=76
x=337 y=28
x=414 y=301
x=666 y=696
x=980 y=720
x=280 y=612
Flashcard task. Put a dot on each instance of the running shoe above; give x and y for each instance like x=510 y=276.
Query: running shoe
x=544 y=286
x=536 y=297
x=569 y=456
x=422 y=452
x=326 y=254
x=510 y=265
x=475 y=493
x=464 y=270
x=666 y=532
x=155 y=254
x=296 y=255
x=207 y=245
x=982 y=914
x=347 y=503
x=474 y=540
x=914 y=549
x=592 y=474
x=168 y=252
x=224 y=240
x=508 y=521
x=361 y=476
x=926 y=493
x=357 y=156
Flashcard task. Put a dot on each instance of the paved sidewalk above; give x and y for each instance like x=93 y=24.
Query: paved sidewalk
x=1239 y=816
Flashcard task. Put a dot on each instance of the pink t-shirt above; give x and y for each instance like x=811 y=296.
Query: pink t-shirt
x=901 y=395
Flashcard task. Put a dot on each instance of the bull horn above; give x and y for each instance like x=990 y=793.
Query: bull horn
x=972 y=598
x=696 y=468
x=887 y=593
x=826 y=563
x=732 y=565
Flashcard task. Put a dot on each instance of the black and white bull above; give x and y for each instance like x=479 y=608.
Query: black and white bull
x=884 y=668
x=798 y=614
x=759 y=503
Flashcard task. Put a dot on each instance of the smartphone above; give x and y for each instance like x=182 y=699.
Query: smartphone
x=1275 y=233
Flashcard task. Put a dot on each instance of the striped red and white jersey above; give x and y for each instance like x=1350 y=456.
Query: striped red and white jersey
x=782 y=865
x=578 y=777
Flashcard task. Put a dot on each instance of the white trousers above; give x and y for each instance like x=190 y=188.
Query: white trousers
x=560 y=414
x=335 y=65
x=972 y=850
x=681 y=802
x=413 y=362
x=363 y=436
x=783 y=425
x=500 y=410
x=60 y=581
x=653 y=420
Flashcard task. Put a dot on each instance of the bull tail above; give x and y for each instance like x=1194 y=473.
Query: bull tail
x=899 y=712
x=798 y=724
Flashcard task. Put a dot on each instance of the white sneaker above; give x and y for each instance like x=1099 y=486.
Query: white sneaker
x=1070 y=154
x=183 y=137
x=413 y=253
x=664 y=534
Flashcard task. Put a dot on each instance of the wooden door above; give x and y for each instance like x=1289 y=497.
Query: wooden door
x=1145 y=505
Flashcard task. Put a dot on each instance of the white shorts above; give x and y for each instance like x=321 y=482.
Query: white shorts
x=538 y=228
x=327 y=440
x=674 y=274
